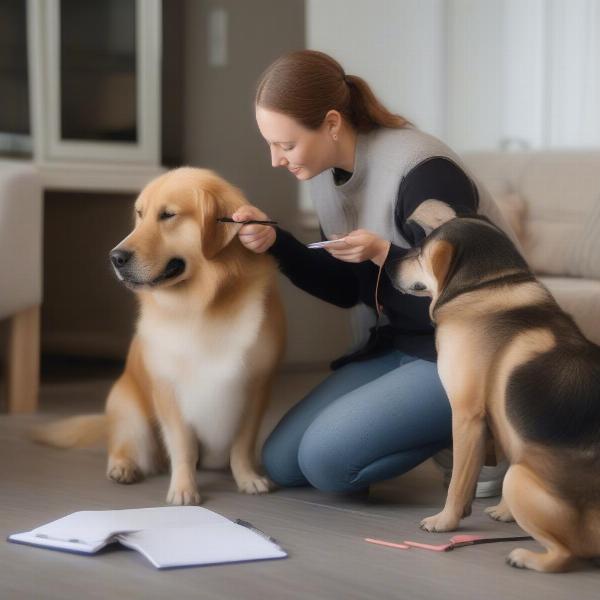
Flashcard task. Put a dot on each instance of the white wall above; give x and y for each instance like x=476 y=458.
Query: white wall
x=523 y=73
x=480 y=74
x=495 y=73
x=474 y=73
x=397 y=46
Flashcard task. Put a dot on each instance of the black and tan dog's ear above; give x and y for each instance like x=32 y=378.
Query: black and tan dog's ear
x=431 y=214
x=441 y=254
x=221 y=201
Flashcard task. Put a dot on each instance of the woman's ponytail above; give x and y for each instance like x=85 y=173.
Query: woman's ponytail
x=366 y=111
x=307 y=84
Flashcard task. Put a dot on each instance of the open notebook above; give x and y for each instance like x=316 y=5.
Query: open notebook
x=172 y=536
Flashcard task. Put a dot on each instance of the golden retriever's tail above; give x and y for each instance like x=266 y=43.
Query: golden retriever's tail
x=74 y=432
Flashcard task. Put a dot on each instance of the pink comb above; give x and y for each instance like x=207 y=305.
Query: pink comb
x=388 y=544
x=458 y=541
x=455 y=541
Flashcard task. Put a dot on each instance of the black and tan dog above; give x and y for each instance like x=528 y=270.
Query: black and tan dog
x=512 y=361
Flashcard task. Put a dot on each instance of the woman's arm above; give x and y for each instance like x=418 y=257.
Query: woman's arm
x=439 y=179
x=431 y=193
x=313 y=271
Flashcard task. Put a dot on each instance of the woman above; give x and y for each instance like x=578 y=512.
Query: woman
x=383 y=410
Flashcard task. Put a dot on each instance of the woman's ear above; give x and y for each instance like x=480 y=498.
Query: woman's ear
x=333 y=123
x=441 y=255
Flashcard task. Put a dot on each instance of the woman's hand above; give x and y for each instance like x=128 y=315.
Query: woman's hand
x=258 y=238
x=360 y=245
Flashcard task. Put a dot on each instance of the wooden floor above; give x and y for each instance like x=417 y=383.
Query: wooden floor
x=322 y=533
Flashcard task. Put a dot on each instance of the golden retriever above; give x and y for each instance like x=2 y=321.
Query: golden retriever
x=209 y=338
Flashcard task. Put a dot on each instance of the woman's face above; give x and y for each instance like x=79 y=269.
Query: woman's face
x=303 y=152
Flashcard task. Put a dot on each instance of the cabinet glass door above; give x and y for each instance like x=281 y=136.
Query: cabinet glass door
x=15 y=129
x=98 y=70
x=102 y=101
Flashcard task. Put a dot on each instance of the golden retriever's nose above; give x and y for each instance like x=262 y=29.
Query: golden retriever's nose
x=120 y=258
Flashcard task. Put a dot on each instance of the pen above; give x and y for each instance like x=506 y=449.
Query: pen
x=324 y=243
x=251 y=527
x=249 y=222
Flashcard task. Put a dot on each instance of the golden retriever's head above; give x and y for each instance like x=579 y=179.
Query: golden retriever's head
x=176 y=230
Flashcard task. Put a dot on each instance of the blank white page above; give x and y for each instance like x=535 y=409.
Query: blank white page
x=93 y=526
x=205 y=545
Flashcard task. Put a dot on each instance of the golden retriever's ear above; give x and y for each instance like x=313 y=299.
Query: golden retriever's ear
x=431 y=214
x=440 y=258
x=213 y=204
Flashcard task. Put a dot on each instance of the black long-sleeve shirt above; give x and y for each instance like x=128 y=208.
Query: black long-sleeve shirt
x=347 y=284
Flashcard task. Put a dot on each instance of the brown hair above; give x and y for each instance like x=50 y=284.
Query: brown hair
x=306 y=84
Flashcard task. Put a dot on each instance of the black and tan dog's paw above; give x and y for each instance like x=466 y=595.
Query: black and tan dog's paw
x=443 y=521
x=500 y=512
x=518 y=558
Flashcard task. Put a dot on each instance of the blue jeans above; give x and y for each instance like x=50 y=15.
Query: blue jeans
x=368 y=421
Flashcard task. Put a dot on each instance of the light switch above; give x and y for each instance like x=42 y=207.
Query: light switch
x=217 y=37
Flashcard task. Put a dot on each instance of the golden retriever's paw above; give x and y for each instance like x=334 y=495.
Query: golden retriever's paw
x=254 y=484
x=443 y=521
x=184 y=495
x=500 y=512
x=123 y=471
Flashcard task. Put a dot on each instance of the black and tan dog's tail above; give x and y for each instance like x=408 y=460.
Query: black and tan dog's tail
x=75 y=432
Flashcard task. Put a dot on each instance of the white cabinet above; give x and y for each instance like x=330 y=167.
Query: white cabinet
x=93 y=90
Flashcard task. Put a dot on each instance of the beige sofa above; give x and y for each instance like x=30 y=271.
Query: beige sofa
x=21 y=279
x=552 y=200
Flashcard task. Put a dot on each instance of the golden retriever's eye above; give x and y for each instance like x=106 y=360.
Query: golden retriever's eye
x=138 y=212
x=165 y=215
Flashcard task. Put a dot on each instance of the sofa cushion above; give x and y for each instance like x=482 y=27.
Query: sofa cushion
x=581 y=299
x=561 y=191
x=584 y=260
x=514 y=209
